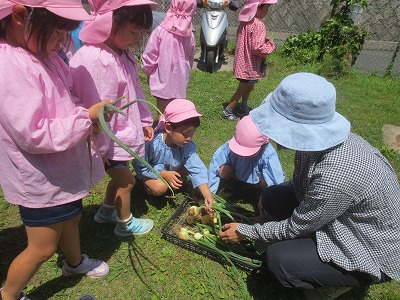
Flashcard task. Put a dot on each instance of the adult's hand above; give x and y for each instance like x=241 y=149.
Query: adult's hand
x=229 y=233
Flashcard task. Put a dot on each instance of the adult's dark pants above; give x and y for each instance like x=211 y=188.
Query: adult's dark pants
x=295 y=263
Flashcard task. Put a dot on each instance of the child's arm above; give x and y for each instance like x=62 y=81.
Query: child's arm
x=208 y=197
x=271 y=166
x=193 y=50
x=151 y=54
x=261 y=45
x=219 y=158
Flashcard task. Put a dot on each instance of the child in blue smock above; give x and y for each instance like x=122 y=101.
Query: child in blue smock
x=173 y=154
x=248 y=158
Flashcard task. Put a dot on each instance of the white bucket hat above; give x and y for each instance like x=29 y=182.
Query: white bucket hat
x=300 y=114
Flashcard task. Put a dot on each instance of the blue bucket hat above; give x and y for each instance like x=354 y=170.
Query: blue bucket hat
x=300 y=114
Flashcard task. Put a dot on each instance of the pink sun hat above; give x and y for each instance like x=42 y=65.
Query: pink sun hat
x=68 y=9
x=6 y=8
x=247 y=140
x=177 y=111
x=249 y=11
x=99 y=28
x=178 y=19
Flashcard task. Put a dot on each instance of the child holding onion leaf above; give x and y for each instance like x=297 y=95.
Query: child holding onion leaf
x=44 y=161
x=106 y=67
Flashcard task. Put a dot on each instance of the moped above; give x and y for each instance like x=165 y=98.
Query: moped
x=214 y=30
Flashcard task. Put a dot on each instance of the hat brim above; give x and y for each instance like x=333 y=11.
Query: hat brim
x=298 y=136
x=152 y=4
x=5 y=11
x=71 y=13
x=241 y=150
x=189 y=115
x=113 y=5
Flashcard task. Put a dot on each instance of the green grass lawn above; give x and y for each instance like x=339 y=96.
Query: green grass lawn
x=149 y=267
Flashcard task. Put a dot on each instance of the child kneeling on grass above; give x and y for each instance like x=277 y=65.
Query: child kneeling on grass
x=248 y=158
x=172 y=152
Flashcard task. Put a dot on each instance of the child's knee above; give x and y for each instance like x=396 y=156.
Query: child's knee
x=42 y=254
x=156 y=187
x=226 y=172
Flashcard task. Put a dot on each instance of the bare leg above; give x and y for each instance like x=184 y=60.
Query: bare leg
x=241 y=91
x=122 y=183
x=162 y=103
x=70 y=243
x=246 y=93
x=155 y=186
x=42 y=244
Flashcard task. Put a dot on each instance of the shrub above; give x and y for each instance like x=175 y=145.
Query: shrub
x=336 y=45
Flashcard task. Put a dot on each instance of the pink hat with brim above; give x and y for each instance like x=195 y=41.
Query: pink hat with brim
x=249 y=11
x=5 y=9
x=98 y=29
x=247 y=140
x=68 y=9
x=178 y=19
x=177 y=111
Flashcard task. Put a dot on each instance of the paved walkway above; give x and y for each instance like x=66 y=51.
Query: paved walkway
x=391 y=136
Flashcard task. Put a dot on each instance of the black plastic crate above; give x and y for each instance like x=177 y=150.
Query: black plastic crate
x=178 y=219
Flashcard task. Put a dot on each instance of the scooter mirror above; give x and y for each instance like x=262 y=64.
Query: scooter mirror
x=200 y=3
x=233 y=5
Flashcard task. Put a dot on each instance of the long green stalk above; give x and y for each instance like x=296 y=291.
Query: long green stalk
x=107 y=130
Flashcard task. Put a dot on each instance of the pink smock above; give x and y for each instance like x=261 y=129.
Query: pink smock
x=44 y=157
x=251 y=50
x=167 y=61
x=99 y=73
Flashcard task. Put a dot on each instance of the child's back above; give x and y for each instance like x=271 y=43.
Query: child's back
x=168 y=57
x=248 y=158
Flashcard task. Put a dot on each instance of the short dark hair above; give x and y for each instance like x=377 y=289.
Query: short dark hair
x=192 y=122
x=44 y=22
x=140 y=15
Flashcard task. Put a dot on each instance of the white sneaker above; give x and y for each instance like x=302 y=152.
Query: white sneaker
x=89 y=267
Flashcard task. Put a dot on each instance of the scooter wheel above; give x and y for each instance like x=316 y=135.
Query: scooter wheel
x=210 y=61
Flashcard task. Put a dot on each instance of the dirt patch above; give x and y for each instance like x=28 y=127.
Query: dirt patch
x=391 y=136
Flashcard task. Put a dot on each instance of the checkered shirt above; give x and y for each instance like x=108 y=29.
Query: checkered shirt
x=252 y=47
x=349 y=196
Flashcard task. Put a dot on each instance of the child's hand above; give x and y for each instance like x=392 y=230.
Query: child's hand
x=209 y=201
x=94 y=111
x=208 y=196
x=173 y=178
x=106 y=161
x=96 y=127
x=148 y=132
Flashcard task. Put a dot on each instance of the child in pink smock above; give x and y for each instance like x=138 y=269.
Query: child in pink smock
x=106 y=67
x=252 y=47
x=168 y=57
x=45 y=165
